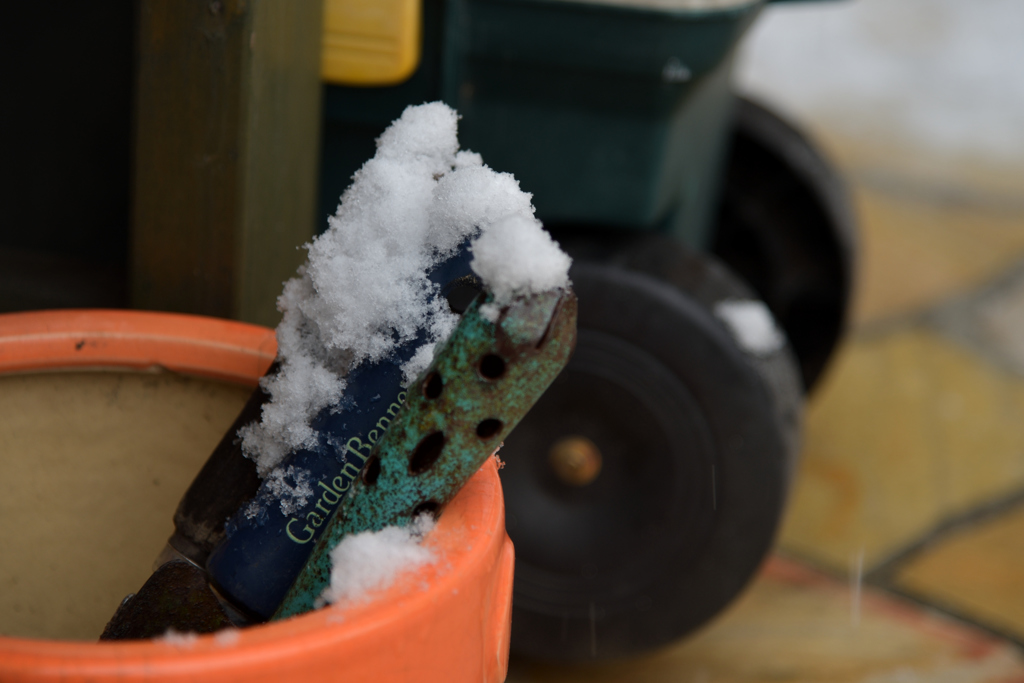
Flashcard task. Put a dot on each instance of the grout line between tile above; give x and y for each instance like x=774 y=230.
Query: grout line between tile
x=949 y=610
x=950 y=318
x=884 y=572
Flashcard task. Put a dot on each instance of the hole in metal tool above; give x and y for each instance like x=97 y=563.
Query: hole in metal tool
x=461 y=292
x=492 y=366
x=433 y=385
x=430 y=507
x=371 y=471
x=488 y=428
x=426 y=453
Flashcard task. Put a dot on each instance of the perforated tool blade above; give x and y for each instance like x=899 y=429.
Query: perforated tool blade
x=482 y=382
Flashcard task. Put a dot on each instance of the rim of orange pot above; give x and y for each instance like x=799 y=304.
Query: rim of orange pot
x=447 y=621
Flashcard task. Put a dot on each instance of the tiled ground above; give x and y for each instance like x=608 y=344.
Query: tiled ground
x=974 y=570
x=915 y=443
x=910 y=428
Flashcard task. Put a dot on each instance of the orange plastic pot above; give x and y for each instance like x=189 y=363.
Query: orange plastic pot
x=448 y=622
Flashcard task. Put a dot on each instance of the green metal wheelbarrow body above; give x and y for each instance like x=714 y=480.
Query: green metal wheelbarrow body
x=612 y=117
x=645 y=165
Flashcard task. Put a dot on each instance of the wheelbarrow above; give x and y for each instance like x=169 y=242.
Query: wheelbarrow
x=645 y=489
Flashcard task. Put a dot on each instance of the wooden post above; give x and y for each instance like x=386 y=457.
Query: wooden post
x=226 y=153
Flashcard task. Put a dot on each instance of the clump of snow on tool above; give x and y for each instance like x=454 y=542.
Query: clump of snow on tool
x=291 y=497
x=512 y=253
x=364 y=290
x=373 y=560
x=751 y=325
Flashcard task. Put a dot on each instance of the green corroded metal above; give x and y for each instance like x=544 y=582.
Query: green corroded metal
x=481 y=384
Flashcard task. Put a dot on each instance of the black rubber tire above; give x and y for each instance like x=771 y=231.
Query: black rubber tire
x=786 y=227
x=698 y=439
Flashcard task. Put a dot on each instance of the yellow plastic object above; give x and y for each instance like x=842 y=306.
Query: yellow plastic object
x=371 y=42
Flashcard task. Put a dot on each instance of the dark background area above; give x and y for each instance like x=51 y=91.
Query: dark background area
x=66 y=140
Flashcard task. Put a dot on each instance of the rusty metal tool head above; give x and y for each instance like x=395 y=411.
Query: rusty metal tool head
x=482 y=382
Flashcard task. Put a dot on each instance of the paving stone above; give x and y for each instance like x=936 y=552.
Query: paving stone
x=990 y=321
x=907 y=430
x=917 y=252
x=976 y=570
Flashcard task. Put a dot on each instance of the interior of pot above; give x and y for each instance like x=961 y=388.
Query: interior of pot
x=92 y=465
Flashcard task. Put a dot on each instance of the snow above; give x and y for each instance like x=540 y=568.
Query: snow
x=751 y=325
x=943 y=75
x=186 y=639
x=290 y=497
x=364 y=290
x=498 y=255
x=227 y=637
x=373 y=560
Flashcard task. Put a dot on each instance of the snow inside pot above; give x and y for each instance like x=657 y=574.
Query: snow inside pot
x=448 y=620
